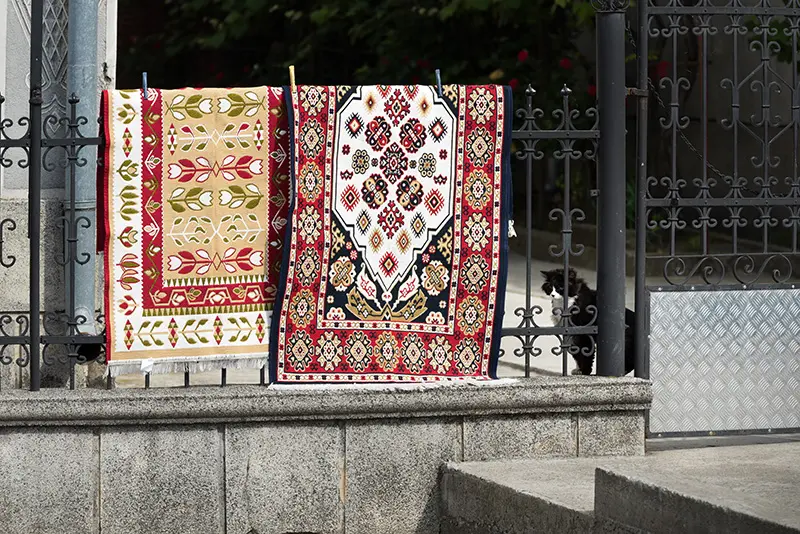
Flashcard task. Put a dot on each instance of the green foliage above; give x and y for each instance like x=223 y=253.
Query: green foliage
x=240 y=42
x=778 y=32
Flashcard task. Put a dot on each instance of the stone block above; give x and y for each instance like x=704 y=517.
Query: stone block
x=285 y=478
x=611 y=433
x=392 y=474
x=519 y=437
x=164 y=480
x=48 y=481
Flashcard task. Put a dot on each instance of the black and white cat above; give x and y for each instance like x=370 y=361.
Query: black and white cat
x=584 y=299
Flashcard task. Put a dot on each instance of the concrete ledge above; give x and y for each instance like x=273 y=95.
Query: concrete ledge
x=325 y=402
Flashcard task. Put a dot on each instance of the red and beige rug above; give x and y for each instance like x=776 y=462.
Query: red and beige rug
x=194 y=196
x=396 y=258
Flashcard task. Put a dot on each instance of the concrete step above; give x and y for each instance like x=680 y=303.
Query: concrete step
x=520 y=497
x=727 y=490
x=746 y=489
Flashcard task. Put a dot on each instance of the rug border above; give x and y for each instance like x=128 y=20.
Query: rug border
x=277 y=307
x=505 y=216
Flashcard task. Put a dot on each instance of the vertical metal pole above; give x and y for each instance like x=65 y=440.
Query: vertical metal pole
x=641 y=364
x=611 y=181
x=83 y=82
x=35 y=187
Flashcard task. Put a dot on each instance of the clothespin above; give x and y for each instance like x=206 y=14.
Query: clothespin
x=439 y=82
x=291 y=77
x=144 y=85
x=511 y=231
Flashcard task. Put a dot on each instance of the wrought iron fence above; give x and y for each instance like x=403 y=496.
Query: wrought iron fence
x=718 y=213
x=568 y=136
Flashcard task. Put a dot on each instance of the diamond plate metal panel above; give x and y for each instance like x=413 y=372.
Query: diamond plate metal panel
x=725 y=360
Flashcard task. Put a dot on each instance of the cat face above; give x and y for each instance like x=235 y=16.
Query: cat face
x=553 y=285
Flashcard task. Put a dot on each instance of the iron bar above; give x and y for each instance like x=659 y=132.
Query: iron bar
x=641 y=363
x=722 y=201
x=611 y=202
x=529 y=92
x=35 y=188
x=706 y=10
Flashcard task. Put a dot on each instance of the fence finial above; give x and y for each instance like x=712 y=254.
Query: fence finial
x=291 y=77
x=439 y=82
x=144 y=85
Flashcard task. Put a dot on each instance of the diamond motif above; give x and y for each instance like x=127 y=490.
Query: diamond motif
x=173 y=332
x=438 y=130
x=388 y=264
x=376 y=240
x=258 y=135
x=434 y=201
x=354 y=125
x=350 y=197
x=260 y=328
x=403 y=241
x=128 y=335
x=127 y=145
x=418 y=225
x=217 y=330
x=363 y=222
x=172 y=139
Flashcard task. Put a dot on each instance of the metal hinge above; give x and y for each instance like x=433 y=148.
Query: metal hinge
x=635 y=91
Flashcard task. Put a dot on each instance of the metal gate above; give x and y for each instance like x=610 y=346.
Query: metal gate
x=718 y=214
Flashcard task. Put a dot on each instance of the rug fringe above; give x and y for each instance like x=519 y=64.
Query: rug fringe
x=393 y=386
x=182 y=365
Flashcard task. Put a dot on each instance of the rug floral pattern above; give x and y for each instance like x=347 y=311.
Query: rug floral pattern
x=196 y=198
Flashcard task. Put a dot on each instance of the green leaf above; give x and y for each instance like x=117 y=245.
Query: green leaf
x=235 y=112
x=193 y=100
x=233 y=97
x=237 y=190
x=253 y=203
x=193 y=113
x=193 y=192
x=177 y=207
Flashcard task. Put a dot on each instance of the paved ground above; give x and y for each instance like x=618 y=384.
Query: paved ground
x=510 y=365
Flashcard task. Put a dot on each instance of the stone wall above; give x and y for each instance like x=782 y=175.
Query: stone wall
x=262 y=460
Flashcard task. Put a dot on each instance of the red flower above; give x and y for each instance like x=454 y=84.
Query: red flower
x=592 y=90
x=522 y=55
x=220 y=76
x=565 y=63
x=513 y=83
x=662 y=69
x=423 y=64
